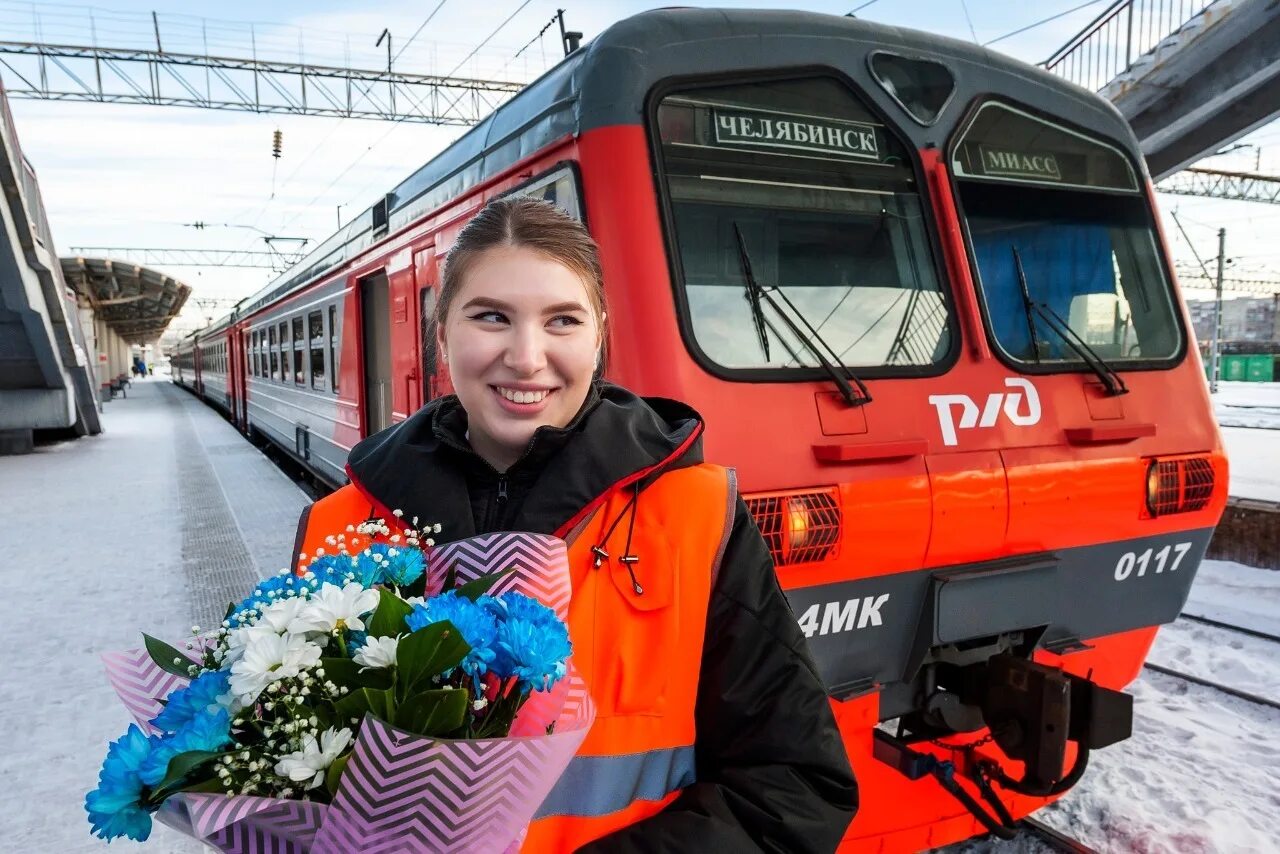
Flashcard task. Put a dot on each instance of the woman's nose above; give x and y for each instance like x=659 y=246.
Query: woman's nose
x=525 y=354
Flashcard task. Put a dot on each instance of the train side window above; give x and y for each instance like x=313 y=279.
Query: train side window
x=285 y=373
x=333 y=348
x=559 y=186
x=427 y=298
x=299 y=369
x=271 y=351
x=315 y=345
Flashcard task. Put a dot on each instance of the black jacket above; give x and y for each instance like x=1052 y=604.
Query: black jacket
x=772 y=773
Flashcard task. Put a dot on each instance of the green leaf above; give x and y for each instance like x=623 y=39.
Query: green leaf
x=429 y=652
x=381 y=704
x=345 y=672
x=179 y=767
x=434 y=713
x=333 y=777
x=231 y=609
x=213 y=784
x=163 y=655
x=476 y=588
x=388 y=618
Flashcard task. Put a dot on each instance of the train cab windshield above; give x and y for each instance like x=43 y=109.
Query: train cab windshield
x=1064 y=244
x=827 y=202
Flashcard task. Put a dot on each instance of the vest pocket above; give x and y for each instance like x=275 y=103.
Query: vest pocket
x=637 y=634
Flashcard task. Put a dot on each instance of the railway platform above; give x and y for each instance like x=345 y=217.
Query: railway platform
x=152 y=525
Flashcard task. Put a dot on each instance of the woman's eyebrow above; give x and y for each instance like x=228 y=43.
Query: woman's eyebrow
x=489 y=302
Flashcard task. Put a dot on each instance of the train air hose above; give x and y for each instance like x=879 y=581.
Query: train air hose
x=1002 y=823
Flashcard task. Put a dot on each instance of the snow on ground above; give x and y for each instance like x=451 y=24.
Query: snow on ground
x=1248 y=405
x=1237 y=594
x=1254 y=457
x=1198 y=775
x=1220 y=655
x=89 y=551
x=1249 y=417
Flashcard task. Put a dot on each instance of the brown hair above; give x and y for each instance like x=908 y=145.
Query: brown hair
x=532 y=223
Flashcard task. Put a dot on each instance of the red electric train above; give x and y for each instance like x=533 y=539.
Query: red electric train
x=992 y=466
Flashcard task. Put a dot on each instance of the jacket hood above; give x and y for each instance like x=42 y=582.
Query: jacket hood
x=420 y=465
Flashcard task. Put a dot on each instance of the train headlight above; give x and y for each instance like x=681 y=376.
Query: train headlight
x=1178 y=485
x=800 y=526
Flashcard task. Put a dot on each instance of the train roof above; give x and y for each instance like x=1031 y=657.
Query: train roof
x=606 y=82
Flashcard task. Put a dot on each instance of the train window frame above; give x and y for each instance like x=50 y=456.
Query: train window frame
x=298 y=328
x=893 y=95
x=675 y=264
x=333 y=354
x=272 y=351
x=315 y=346
x=1143 y=190
x=285 y=371
x=550 y=176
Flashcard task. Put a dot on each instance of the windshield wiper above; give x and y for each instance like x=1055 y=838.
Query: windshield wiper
x=1111 y=380
x=755 y=292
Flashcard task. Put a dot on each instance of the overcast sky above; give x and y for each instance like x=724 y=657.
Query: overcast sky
x=131 y=176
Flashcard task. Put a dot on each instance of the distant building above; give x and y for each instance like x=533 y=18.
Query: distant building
x=1243 y=319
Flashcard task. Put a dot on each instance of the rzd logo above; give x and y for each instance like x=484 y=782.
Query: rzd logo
x=996 y=402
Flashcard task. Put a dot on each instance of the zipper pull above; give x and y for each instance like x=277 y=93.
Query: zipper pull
x=502 y=488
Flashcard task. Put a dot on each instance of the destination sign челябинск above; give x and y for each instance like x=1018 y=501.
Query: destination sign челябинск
x=760 y=129
x=1019 y=164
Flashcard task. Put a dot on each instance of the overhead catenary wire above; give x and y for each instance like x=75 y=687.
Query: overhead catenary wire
x=334 y=129
x=1042 y=22
x=397 y=123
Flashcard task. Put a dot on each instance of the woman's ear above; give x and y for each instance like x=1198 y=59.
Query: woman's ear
x=442 y=354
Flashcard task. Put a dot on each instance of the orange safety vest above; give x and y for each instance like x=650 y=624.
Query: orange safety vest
x=640 y=653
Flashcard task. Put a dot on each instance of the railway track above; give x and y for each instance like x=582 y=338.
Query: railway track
x=1054 y=838
x=1209 y=683
x=1221 y=625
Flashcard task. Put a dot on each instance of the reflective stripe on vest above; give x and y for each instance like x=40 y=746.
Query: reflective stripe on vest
x=599 y=785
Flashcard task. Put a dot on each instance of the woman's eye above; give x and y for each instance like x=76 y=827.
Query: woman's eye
x=565 y=320
x=490 y=317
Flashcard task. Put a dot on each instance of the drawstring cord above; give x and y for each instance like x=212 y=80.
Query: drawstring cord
x=628 y=559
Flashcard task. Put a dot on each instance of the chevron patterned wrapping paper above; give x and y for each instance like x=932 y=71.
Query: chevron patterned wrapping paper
x=402 y=793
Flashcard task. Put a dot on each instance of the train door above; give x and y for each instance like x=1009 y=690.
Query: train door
x=238 y=373
x=432 y=385
x=405 y=362
x=375 y=313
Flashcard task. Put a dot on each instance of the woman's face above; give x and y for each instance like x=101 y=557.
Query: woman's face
x=520 y=340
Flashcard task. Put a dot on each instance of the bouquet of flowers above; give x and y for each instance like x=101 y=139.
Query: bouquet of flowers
x=384 y=697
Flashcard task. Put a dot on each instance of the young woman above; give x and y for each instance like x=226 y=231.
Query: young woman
x=713 y=730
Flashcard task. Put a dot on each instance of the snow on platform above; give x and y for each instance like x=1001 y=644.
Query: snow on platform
x=1249 y=417
x=152 y=526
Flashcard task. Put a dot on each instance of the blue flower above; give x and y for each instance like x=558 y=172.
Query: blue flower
x=186 y=703
x=405 y=566
x=115 y=808
x=355 y=640
x=331 y=569
x=532 y=643
x=207 y=732
x=474 y=622
x=285 y=585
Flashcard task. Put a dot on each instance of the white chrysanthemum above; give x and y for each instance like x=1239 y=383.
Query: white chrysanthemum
x=313 y=759
x=377 y=652
x=332 y=608
x=268 y=657
x=283 y=616
x=239 y=639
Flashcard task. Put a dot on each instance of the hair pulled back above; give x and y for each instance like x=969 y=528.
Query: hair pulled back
x=531 y=223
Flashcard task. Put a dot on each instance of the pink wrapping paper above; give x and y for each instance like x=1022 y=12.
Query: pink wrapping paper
x=401 y=792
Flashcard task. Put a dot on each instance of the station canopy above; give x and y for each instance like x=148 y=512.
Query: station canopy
x=137 y=302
